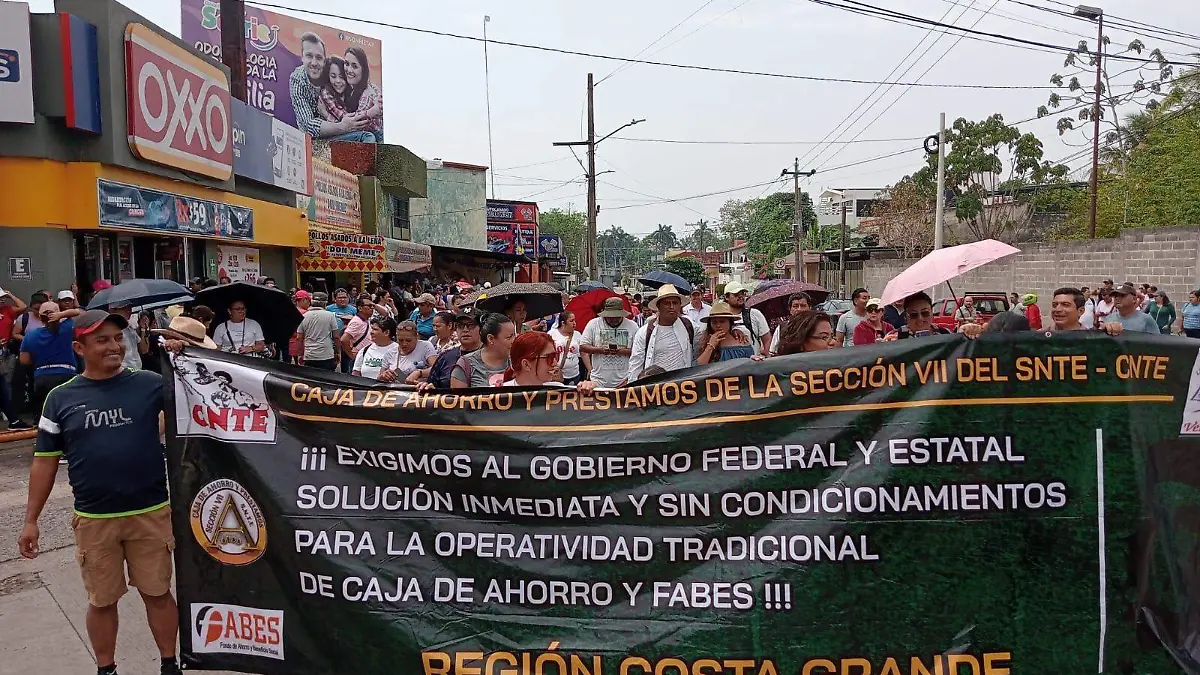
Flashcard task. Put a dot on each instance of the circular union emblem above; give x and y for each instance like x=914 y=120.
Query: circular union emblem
x=228 y=524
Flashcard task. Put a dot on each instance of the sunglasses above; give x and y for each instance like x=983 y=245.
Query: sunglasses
x=923 y=314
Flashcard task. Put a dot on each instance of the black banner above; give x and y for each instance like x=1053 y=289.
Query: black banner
x=144 y=209
x=1016 y=504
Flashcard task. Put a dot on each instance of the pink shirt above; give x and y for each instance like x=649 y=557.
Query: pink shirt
x=356 y=329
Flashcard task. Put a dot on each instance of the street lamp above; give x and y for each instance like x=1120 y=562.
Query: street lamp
x=1094 y=14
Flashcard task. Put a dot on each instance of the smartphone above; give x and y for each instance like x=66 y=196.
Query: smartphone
x=613 y=346
x=923 y=333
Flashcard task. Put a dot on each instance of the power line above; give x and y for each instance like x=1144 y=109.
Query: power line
x=847 y=122
x=892 y=15
x=693 y=142
x=700 y=196
x=656 y=41
x=1110 y=19
x=883 y=112
x=663 y=64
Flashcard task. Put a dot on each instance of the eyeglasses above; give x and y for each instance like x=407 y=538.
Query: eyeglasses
x=823 y=337
x=923 y=314
x=237 y=309
x=552 y=355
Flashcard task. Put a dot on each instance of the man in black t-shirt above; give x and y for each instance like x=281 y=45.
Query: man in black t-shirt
x=106 y=424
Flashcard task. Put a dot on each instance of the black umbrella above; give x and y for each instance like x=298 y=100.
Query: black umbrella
x=659 y=278
x=141 y=293
x=540 y=299
x=270 y=307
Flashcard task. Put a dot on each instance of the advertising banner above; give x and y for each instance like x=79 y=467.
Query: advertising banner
x=139 y=208
x=342 y=252
x=268 y=151
x=550 y=246
x=336 y=202
x=1022 y=503
x=16 y=69
x=502 y=237
x=239 y=263
x=405 y=256
x=338 y=75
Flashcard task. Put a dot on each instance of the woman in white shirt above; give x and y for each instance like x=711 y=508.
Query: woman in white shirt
x=377 y=360
x=535 y=364
x=240 y=335
x=566 y=340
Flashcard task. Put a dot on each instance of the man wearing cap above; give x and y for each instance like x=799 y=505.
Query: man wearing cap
x=106 y=425
x=696 y=310
x=467 y=333
x=423 y=315
x=1128 y=312
x=605 y=344
x=47 y=351
x=67 y=300
x=320 y=331
x=668 y=340
x=752 y=319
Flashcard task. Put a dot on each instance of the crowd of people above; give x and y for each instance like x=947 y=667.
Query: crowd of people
x=421 y=333
x=69 y=362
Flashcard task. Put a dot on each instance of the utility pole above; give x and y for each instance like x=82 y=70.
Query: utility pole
x=1097 y=14
x=487 y=86
x=798 y=222
x=590 y=170
x=939 y=218
x=842 y=254
x=233 y=45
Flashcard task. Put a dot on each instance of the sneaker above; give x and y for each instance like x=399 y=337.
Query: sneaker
x=170 y=668
x=19 y=425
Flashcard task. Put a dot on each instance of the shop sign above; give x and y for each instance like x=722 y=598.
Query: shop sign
x=405 y=256
x=550 y=246
x=502 y=237
x=81 y=74
x=528 y=237
x=336 y=202
x=271 y=152
x=178 y=106
x=563 y=262
x=20 y=269
x=130 y=206
x=512 y=212
x=343 y=252
x=16 y=74
x=239 y=263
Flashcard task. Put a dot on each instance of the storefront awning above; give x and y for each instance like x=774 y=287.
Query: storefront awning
x=342 y=252
x=443 y=251
x=406 y=256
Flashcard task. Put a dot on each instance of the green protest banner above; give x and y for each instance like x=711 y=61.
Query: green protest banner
x=1016 y=504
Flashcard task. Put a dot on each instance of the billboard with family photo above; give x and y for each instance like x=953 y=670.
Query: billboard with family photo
x=321 y=80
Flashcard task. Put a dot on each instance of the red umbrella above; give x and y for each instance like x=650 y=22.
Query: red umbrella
x=587 y=306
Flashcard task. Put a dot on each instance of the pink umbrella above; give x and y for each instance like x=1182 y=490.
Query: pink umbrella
x=944 y=265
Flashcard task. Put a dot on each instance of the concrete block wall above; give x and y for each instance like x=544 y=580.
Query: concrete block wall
x=1166 y=257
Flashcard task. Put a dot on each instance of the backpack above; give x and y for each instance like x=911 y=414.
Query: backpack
x=653 y=323
x=747 y=321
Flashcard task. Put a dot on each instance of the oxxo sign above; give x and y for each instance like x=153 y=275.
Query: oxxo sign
x=178 y=106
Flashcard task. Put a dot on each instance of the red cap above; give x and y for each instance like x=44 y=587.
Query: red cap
x=303 y=295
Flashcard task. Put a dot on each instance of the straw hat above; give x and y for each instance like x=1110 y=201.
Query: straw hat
x=722 y=310
x=187 y=329
x=665 y=291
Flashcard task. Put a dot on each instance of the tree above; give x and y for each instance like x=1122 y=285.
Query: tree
x=1144 y=77
x=621 y=253
x=687 y=267
x=766 y=225
x=905 y=219
x=572 y=227
x=661 y=239
x=986 y=165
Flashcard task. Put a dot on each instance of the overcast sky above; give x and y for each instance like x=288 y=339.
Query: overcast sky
x=435 y=93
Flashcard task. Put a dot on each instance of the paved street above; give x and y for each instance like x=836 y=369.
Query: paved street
x=42 y=602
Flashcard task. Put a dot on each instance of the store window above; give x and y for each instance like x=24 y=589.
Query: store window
x=169 y=260
x=400 y=226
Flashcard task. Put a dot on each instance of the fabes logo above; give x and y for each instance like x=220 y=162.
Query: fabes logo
x=177 y=105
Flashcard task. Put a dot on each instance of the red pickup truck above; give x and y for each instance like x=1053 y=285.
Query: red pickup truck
x=987 y=305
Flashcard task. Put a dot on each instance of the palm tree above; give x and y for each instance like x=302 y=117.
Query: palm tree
x=661 y=239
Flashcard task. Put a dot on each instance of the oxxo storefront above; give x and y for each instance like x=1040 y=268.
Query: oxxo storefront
x=94 y=222
x=125 y=168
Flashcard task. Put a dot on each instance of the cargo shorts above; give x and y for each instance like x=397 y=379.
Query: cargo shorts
x=105 y=547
